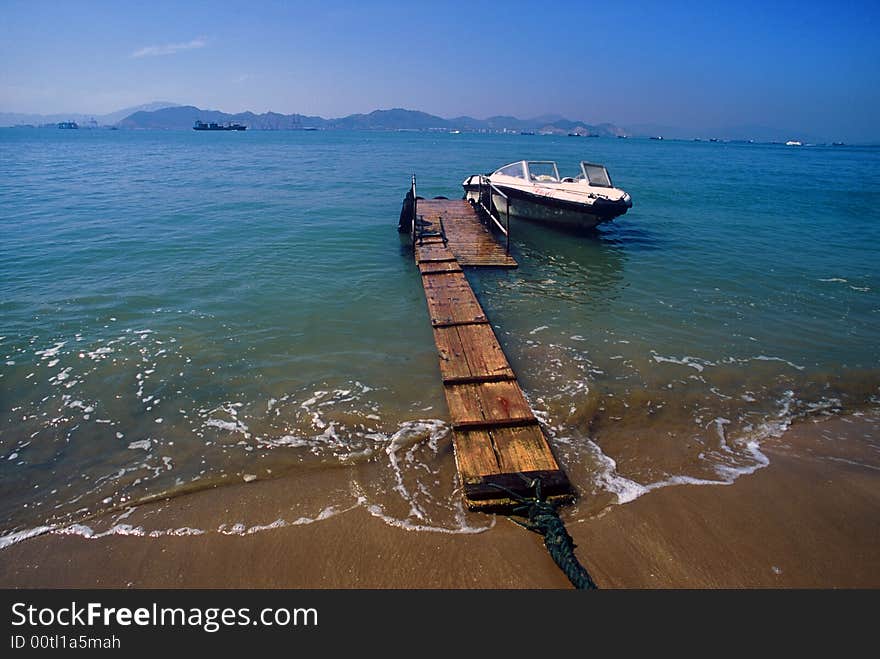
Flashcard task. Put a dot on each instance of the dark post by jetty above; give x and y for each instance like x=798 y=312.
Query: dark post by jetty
x=500 y=449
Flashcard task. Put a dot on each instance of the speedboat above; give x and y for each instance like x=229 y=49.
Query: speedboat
x=533 y=190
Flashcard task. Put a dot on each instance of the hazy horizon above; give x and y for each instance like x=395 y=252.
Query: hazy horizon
x=803 y=67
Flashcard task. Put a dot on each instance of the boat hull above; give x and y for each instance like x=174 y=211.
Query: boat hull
x=546 y=210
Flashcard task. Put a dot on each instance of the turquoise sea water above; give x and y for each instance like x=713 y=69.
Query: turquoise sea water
x=182 y=310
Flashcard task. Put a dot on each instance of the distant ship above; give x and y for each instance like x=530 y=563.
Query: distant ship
x=201 y=125
x=793 y=143
x=68 y=124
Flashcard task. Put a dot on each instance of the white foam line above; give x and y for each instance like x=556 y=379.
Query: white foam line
x=11 y=538
x=377 y=511
x=242 y=529
x=733 y=473
x=851 y=462
x=232 y=426
x=693 y=362
x=406 y=436
x=628 y=490
x=765 y=358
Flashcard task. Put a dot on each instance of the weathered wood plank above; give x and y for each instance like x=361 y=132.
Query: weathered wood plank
x=474 y=455
x=451 y=300
x=503 y=400
x=453 y=282
x=474 y=379
x=464 y=404
x=479 y=320
x=523 y=449
x=449 y=311
x=482 y=351
x=437 y=267
x=487 y=401
x=492 y=424
x=433 y=252
x=453 y=362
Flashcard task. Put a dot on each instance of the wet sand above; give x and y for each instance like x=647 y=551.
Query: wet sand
x=809 y=519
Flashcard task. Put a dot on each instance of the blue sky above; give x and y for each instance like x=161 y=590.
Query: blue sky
x=798 y=65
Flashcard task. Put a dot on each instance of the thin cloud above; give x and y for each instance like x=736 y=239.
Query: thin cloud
x=170 y=48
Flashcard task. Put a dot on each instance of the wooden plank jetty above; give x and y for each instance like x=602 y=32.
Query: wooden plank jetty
x=499 y=445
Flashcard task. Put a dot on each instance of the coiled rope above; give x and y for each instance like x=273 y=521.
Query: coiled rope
x=542 y=517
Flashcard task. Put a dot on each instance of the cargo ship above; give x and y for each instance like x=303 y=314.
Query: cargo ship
x=201 y=125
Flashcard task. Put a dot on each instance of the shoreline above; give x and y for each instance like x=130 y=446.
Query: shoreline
x=807 y=520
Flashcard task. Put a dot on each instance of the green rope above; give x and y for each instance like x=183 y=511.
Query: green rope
x=542 y=517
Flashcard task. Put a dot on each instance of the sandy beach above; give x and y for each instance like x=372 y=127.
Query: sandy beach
x=808 y=520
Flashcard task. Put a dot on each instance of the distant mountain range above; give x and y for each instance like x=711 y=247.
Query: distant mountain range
x=184 y=116
x=162 y=115
x=20 y=119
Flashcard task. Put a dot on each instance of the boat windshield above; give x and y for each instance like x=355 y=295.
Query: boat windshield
x=543 y=171
x=595 y=175
x=515 y=169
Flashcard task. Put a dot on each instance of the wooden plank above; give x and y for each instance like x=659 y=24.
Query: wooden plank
x=433 y=252
x=487 y=401
x=438 y=259
x=523 y=449
x=483 y=352
x=446 y=310
x=449 y=281
x=478 y=320
x=475 y=379
x=514 y=449
x=493 y=424
x=503 y=400
x=451 y=301
x=464 y=404
x=474 y=455
x=435 y=267
x=426 y=272
x=453 y=363
x=480 y=464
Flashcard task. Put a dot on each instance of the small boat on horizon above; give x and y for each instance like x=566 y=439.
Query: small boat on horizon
x=533 y=190
x=793 y=143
